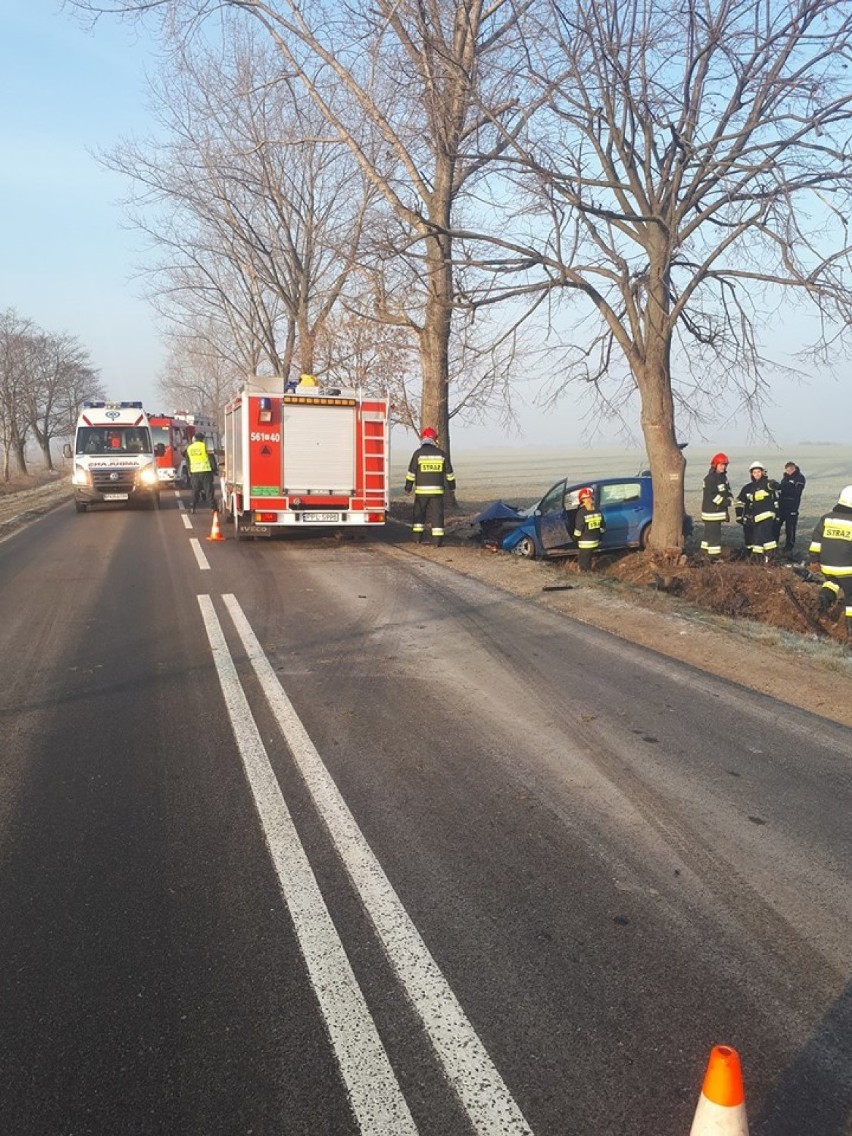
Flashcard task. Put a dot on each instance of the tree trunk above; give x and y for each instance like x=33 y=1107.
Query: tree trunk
x=305 y=339
x=19 y=444
x=435 y=337
x=666 y=460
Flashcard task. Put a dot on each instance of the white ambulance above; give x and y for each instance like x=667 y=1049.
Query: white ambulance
x=114 y=456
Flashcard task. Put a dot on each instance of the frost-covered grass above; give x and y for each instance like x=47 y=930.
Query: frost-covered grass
x=522 y=475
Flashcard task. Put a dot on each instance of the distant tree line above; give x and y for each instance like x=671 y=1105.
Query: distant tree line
x=44 y=379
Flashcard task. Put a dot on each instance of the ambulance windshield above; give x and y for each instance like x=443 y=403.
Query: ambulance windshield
x=113 y=440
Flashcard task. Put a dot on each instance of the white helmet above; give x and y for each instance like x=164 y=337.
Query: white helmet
x=846 y=497
x=757 y=465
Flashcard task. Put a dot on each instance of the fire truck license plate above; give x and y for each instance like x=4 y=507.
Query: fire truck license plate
x=323 y=518
x=115 y=496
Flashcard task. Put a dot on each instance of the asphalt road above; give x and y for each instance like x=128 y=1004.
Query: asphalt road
x=318 y=837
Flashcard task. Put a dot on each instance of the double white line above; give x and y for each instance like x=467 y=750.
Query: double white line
x=374 y=1091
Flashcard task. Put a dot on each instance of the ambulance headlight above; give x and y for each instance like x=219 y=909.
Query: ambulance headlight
x=149 y=476
x=80 y=476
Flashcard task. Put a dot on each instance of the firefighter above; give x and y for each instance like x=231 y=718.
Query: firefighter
x=715 y=504
x=831 y=551
x=790 y=490
x=430 y=475
x=200 y=471
x=589 y=527
x=757 y=511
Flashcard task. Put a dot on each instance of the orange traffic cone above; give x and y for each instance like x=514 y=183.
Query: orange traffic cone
x=721 y=1106
x=215 y=533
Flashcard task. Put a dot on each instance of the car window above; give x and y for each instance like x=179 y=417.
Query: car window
x=552 y=500
x=572 y=499
x=620 y=492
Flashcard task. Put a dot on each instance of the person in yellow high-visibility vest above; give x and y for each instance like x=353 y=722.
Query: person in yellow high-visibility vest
x=200 y=466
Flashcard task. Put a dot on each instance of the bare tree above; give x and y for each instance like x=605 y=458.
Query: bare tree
x=199 y=375
x=43 y=381
x=258 y=215
x=689 y=175
x=16 y=335
x=58 y=377
x=397 y=82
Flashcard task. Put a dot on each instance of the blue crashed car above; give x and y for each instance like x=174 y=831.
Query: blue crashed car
x=546 y=528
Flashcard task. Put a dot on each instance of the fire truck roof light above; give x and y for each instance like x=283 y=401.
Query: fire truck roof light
x=301 y=398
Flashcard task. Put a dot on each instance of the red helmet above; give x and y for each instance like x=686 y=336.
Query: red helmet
x=428 y=434
x=719 y=459
x=584 y=493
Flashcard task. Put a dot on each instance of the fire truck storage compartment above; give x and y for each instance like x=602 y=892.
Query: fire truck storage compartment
x=319 y=449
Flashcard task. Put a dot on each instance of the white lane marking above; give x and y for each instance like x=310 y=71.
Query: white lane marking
x=203 y=564
x=486 y=1099
x=374 y=1093
x=187 y=523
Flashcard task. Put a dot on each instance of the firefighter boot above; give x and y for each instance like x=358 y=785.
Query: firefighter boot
x=826 y=599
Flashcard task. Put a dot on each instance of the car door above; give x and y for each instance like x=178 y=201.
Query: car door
x=624 y=512
x=551 y=527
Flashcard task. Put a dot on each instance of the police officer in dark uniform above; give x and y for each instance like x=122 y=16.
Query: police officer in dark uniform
x=430 y=475
x=790 y=489
x=831 y=551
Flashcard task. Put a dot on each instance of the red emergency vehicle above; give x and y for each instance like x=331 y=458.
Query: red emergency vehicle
x=193 y=424
x=172 y=433
x=317 y=457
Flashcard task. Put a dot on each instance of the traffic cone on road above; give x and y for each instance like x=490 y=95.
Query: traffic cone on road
x=721 y=1106
x=215 y=533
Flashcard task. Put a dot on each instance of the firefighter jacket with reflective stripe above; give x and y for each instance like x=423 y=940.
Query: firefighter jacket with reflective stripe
x=589 y=527
x=429 y=472
x=717 y=497
x=758 y=501
x=831 y=543
x=197 y=458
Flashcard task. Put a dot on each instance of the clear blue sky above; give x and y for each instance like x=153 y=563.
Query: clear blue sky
x=69 y=262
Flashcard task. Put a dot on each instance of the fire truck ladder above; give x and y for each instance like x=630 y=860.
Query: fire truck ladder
x=375 y=453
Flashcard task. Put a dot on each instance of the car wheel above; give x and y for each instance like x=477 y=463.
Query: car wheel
x=155 y=500
x=526 y=548
x=645 y=537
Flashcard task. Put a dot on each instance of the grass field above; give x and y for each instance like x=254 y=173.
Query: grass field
x=521 y=476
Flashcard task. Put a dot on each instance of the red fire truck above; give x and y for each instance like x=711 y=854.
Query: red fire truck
x=317 y=457
x=172 y=433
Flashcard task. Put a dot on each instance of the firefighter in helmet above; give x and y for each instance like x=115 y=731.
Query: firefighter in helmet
x=200 y=471
x=831 y=551
x=715 y=503
x=589 y=527
x=757 y=511
x=430 y=475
